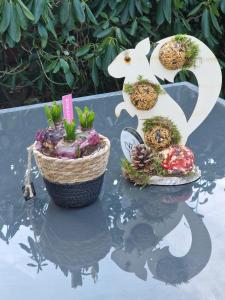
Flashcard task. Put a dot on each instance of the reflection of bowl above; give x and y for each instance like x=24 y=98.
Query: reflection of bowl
x=155 y=202
x=142 y=236
x=75 y=239
x=164 y=201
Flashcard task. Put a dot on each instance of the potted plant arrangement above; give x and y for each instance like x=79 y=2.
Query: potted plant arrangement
x=71 y=159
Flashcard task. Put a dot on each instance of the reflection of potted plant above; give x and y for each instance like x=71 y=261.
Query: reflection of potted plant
x=76 y=251
x=71 y=160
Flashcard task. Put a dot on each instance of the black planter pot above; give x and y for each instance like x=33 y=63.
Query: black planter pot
x=74 y=195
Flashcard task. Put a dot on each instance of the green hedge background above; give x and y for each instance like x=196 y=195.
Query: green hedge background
x=50 y=47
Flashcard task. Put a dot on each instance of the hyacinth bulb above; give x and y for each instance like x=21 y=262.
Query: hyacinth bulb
x=67 y=150
x=92 y=139
x=50 y=135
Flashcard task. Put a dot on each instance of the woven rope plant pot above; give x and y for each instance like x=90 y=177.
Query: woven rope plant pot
x=74 y=182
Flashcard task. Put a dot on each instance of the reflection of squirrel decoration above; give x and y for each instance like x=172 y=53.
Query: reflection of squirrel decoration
x=142 y=233
x=175 y=270
x=77 y=242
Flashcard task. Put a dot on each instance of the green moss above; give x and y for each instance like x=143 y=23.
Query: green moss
x=192 y=50
x=182 y=38
x=130 y=88
x=163 y=122
x=158 y=168
x=137 y=177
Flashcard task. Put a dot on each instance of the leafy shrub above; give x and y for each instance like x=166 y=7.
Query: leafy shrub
x=49 y=47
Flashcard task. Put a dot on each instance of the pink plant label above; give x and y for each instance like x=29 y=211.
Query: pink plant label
x=68 y=108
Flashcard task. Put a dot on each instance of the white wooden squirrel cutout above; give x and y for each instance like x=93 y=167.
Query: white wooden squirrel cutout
x=207 y=72
x=133 y=63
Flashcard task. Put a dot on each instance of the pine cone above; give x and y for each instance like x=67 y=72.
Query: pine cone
x=141 y=157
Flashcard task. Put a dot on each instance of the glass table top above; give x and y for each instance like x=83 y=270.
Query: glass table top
x=154 y=243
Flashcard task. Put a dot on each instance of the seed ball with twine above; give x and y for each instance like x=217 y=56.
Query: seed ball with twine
x=158 y=138
x=144 y=96
x=172 y=55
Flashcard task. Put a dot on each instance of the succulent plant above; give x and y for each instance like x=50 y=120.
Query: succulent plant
x=86 y=117
x=70 y=130
x=53 y=114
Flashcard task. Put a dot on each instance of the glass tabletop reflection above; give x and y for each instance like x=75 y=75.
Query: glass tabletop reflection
x=156 y=242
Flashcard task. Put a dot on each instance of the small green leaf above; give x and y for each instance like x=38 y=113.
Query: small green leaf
x=159 y=13
x=94 y=74
x=21 y=17
x=83 y=50
x=186 y=24
x=26 y=11
x=38 y=9
x=14 y=28
x=133 y=28
x=69 y=79
x=132 y=8
x=109 y=55
x=90 y=15
x=51 y=66
x=57 y=68
x=64 y=65
x=125 y=14
x=50 y=27
x=64 y=11
x=167 y=10
x=74 y=67
x=104 y=33
x=139 y=7
x=215 y=22
x=196 y=9
x=79 y=11
x=9 y=41
x=222 y=6
x=5 y=17
x=205 y=23
x=43 y=34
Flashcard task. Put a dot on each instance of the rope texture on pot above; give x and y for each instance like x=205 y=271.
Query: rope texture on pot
x=27 y=182
x=69 y=171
